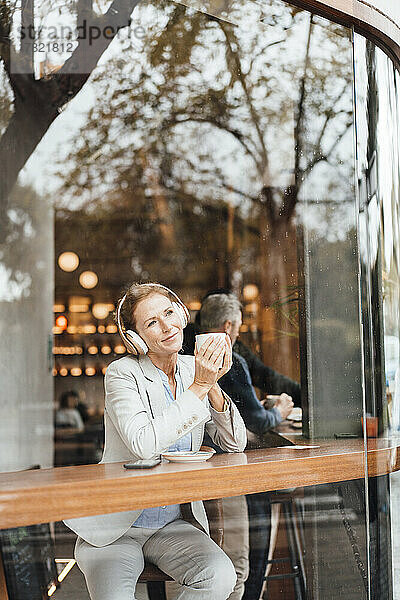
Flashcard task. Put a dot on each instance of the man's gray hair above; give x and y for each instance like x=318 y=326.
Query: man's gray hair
x=217 y=309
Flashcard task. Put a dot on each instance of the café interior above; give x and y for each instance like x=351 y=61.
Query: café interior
x=245 y=146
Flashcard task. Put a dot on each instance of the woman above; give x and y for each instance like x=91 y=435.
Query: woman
x=155 y=401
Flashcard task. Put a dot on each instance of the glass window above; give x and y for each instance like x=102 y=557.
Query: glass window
x=377 y=85
x=208 y=146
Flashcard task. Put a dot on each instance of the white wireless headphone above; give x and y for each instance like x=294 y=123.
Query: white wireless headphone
x=132 y=340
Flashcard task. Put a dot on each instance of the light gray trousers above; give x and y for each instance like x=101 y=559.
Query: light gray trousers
x=179 y=549
x=236 y=544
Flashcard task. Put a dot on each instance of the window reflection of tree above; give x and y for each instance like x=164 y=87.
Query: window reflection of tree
x=218 y=132
x=30 y=105
x=207 y=134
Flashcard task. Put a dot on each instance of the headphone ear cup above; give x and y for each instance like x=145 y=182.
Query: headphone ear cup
x=137 y=342
x=182 y=314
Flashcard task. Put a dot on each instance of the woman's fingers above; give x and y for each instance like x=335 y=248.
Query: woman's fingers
x=218 y=353
x=228 y=351
x=209 y=348
x=214 y=359
x=227 y=362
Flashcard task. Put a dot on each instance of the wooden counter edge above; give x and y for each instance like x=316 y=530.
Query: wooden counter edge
x=46 y=503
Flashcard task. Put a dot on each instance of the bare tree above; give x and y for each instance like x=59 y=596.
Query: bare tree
x=37 y=102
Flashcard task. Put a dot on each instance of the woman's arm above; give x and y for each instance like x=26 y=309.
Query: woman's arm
x=146 y=436
x=227 y=428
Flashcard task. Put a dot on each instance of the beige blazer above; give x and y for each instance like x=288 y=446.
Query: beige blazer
x=140 y=424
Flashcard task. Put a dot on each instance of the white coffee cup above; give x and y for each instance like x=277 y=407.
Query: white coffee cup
x=202 y=338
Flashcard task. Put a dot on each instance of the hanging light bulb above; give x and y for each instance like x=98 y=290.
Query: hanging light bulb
x=101 y=311
x=68 y=261
x=62 y=322
x=88 y=279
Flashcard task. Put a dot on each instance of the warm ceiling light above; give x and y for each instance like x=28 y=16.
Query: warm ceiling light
x=62 y=322
x=58 y=307
x=104 y=369
x=90 y=371
x=88 y=279
x=71 y=329
x=111 y=329
x=120 y=349
x=251 y=308
x=89 y=329
x=54 y=371
x=79 y=304
x=80 y=300
x=68 y=261
x=57 y=330
x=195 y=305
x=76 y=371
x=101 y=311
x=250 y=292
x=63 y=372
x=93 y=349
x=101 y=329
x=78 y=308
x=106 y=349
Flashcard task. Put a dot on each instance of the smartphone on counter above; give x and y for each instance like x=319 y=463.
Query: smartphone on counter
x=142 y=464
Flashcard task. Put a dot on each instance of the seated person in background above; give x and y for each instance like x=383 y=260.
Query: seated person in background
x=67 y=414
x=223 y=313
x=265 y=378
x=262 y=376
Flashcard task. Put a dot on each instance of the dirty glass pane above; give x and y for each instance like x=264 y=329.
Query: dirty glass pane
x=208 y=146
x=377 y=85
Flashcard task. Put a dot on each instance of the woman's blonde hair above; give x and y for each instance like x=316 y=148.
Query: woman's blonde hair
x=135 y=293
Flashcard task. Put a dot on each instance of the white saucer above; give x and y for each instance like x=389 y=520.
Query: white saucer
x=187 y=456
x=295 y=415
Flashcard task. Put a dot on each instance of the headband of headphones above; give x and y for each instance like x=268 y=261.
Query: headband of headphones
x=132 y=340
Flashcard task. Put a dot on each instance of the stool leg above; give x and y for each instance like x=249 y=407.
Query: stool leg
x=156 y=590
x=294 y=559
x=297 y=534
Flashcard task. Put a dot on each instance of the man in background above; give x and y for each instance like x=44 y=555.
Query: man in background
x=222 y=313
x=247 y=527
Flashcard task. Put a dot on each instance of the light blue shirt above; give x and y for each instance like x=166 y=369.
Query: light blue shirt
x=155 y=518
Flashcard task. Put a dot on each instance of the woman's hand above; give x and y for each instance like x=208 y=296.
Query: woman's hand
x=215 y=395
x=226 y=365
x=208 y=369
x=207 y=366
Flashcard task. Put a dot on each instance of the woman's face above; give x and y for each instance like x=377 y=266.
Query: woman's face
x=159 y=325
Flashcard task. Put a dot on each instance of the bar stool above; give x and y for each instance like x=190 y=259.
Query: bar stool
x=154 y=577
x=286 y=499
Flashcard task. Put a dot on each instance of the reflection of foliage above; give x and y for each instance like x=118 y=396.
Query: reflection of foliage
x=208 y=120
x=287 y=311
x=26 y=245
x=215 y=117
x=37 y=102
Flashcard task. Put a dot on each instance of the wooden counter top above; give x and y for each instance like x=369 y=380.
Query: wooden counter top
x=44 y=495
